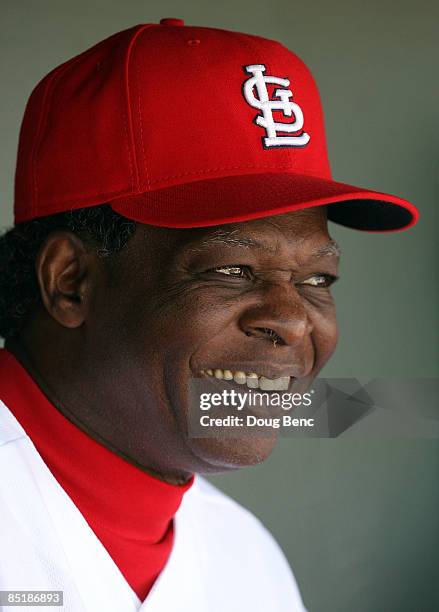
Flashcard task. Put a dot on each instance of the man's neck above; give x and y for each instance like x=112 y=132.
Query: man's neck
x=18 y=348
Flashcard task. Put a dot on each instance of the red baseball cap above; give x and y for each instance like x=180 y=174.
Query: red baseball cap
x=181 y=126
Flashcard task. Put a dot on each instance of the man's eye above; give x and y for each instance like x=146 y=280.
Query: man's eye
x=320 y=280
x=235 y=271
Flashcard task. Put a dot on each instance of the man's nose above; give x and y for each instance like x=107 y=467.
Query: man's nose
x=281 y=317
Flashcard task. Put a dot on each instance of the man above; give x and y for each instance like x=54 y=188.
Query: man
x=172 y=198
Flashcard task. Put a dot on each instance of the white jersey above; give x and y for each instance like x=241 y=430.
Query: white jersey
x=222 y=560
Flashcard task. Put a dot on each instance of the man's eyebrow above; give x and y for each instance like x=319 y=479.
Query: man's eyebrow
x=331 y=249
x=236 y=239
x=232 y=238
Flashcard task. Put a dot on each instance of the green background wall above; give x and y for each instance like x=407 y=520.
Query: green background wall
x=356 y=518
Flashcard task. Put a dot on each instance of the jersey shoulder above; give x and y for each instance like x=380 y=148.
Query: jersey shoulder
x=230 y=516
x=254 y=558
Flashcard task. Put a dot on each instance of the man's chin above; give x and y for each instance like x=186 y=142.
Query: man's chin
x=219 y=454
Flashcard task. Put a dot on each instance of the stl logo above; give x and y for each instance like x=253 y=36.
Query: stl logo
x=283 y=103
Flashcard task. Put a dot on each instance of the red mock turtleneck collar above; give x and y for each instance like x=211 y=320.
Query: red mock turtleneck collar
x=130 y=511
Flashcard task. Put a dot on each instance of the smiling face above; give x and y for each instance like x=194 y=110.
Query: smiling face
x=248 y=297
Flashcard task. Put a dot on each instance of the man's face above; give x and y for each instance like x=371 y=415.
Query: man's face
x=179 y=302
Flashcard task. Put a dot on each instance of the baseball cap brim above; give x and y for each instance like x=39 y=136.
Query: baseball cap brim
x=241 y=198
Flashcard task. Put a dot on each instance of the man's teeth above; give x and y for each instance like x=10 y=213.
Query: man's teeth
x=251 y=379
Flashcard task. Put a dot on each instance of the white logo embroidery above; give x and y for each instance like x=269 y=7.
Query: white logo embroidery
x=265 y=119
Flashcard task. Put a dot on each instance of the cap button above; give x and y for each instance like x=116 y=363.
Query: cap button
x=170 y=21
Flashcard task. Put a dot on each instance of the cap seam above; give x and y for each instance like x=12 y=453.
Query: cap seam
x=98 y=193
x=56 y=74
x=208 y=170
x=38 y=136
x=133 y=41
x=73 y=197
x=142 y=142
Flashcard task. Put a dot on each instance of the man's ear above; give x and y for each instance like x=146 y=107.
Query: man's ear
x=64 y=271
